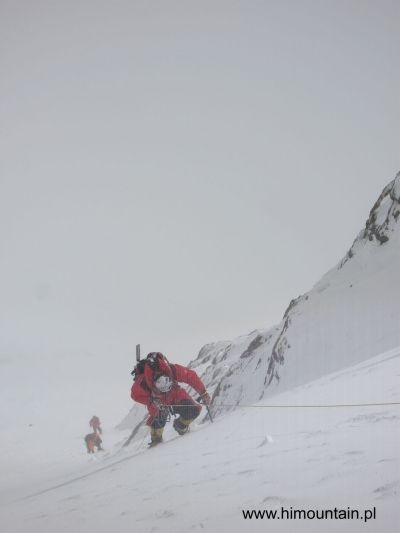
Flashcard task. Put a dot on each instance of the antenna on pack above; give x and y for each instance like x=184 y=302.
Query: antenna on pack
x=137 y=352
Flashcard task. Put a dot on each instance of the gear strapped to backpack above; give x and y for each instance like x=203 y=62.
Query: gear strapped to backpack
x=154 y=366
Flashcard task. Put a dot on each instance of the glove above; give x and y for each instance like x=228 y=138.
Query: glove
x=205 y=398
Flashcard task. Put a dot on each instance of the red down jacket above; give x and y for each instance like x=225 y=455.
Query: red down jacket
x=144 y=391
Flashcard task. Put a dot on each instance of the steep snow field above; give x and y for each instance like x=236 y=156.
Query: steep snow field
x=299 y=436
x=350 y=315
x=260 y=457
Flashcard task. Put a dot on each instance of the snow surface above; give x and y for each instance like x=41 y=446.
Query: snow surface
x=351 y=314
x=260 y=457
x=337 y=344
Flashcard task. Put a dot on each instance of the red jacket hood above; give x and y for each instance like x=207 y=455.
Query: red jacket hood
x=150 y=375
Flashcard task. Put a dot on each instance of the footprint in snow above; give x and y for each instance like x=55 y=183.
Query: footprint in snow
x=41 y=516
x=71 y=498
x=389 y=490
x=313 y=446
x=312 y=434
x=372 y=418
x=274 y=500
x=164 y=514
x=266 y=440
x=354 y=452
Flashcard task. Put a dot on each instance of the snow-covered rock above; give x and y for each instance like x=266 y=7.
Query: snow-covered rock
x=351 y=314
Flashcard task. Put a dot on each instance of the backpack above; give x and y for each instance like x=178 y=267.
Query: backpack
x=155 y=361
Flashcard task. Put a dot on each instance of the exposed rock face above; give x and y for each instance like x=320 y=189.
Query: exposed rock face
x=382 y=219
x=351 y=314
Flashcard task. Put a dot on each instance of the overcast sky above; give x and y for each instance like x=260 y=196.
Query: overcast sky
x=174 y=173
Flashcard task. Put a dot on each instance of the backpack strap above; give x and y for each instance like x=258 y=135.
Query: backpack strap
x=173 y=368
x=144 y=385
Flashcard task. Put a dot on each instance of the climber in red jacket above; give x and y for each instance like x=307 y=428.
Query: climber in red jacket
x=156 y=385
x=94 y=422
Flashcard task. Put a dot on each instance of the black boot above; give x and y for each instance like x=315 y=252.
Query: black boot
x=181 y=425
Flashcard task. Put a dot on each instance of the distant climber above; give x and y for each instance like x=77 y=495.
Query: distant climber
x=93 y=441
x=94 y=422
x=157 y=386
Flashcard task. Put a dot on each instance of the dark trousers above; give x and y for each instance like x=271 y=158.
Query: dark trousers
x=187 y=409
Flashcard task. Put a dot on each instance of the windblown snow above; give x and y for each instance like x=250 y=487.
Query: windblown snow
x=306 y=419
x=265 y=457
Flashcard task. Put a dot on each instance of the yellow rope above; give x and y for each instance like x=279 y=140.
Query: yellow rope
x=301 y=406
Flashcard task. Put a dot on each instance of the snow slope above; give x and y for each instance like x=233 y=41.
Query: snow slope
x=263 y=457
x=351 y=314
x=337 y=344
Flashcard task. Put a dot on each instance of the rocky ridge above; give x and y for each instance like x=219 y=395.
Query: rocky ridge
x=337 y=323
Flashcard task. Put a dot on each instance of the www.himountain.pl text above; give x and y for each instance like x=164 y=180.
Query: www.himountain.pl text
x=309 y=514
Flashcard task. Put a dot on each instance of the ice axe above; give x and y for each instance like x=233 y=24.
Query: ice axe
x=137 y=352
x=199 y=399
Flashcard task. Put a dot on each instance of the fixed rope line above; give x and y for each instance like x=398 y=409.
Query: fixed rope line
x=301 y=406
x=307 y=406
